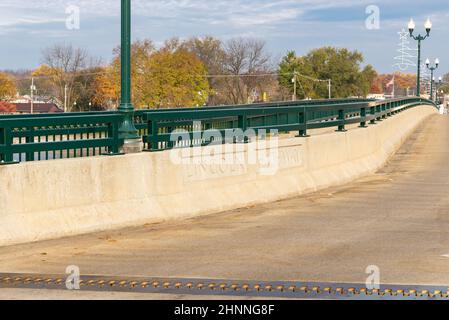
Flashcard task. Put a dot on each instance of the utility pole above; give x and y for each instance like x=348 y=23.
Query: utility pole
x=32 y=95
x=330 y=88
x=295 y=81
x=65 y=98
x=394 y=86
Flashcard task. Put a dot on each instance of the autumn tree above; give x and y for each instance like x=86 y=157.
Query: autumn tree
x=22 y=80
x=106 y=88
x=107 y=82
x=175 y=79
x=6 y=107
x=240 y=70
x=169 y=77
x=45 y=79
x=61 y=66
x=211 y=52
x=194 y=72
x=375 y=88
x=7 y=86
x=246 y=64
x=84 y=91
x=403 y=82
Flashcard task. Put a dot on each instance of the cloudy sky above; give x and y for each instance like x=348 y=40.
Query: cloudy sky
x=28 y=26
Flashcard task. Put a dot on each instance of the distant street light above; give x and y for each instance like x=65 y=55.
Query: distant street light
x=432 y=79
x=438 y=86
x=419 y=38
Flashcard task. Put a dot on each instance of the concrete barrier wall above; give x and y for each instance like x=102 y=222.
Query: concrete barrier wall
x=51 y=199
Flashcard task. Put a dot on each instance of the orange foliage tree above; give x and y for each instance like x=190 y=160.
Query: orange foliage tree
x=6 y=107
x=169 y=77
x=7 y=86
x=402 y=81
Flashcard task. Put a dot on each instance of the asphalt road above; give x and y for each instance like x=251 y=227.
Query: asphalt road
x=397 y=219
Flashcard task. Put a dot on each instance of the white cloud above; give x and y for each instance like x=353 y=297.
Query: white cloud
x=241 y=12
x=30 y=25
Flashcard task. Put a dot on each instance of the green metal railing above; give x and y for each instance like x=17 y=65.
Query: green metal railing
x=55 y=136
x=283 y=117
x=46 y=137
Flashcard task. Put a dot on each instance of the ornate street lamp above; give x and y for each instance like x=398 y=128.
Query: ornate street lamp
x=127 y=130
x=432 y=70
x=419 y=38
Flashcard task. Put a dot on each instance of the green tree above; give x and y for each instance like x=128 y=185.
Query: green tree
x=342 y=66
x=290 y=65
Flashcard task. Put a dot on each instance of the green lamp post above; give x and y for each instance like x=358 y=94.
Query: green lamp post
x=127 y=131
x=432 y=70
x=419 y=38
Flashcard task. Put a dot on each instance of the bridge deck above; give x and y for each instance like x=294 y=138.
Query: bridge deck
x=397 y=219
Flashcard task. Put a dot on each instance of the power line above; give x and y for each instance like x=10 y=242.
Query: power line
x=206 y=76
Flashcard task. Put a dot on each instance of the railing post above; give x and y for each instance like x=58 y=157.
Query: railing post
x=153 y=135
x=30 y=140
x=373 y=114
x=2 y=143
x=342 y=120
x=6 y=140
x=378 y=111
x=171 y=144
x=303 y=119
x=113 y=129
x=242 y=124
x=363 y=118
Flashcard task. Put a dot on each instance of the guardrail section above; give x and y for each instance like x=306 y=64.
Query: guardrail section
x=297 y=117
x=54 y=137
